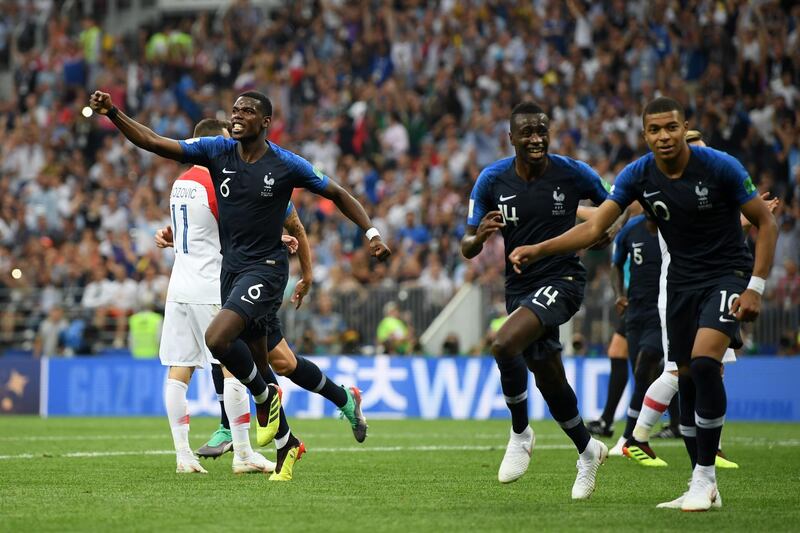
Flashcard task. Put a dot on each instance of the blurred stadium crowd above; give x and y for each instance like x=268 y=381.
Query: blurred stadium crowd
x=403 y=101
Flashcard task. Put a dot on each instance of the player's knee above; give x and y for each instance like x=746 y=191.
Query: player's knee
x=550 y=377
x=502 y=349
x=704 y=368
x=217 y=343
x=282 y=366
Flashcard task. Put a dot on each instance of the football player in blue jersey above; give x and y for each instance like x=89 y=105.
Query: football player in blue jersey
x=638 y=242
x=528 y=198
x=695 y=195
x=253 y=181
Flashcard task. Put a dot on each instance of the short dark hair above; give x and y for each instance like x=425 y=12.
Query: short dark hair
x=263 y=100
x=210 y=127
x=527 y=108
x=662 y=104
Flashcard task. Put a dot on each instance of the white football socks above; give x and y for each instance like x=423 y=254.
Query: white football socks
x=237 y=407
x=178 y=414
x=656 y=401
x=707 y=472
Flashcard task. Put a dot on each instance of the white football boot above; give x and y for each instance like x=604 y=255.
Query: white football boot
x=701 y=495
x=677 y=503
x=188 y=464
x=588 y=464
x=253 y=462
x=616 y=451
x=518 y=455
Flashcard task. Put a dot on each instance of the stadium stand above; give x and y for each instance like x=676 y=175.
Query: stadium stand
x=404 y=102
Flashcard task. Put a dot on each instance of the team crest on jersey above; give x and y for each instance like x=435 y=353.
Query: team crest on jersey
x=558 y=202
x=702 y=196
x=269 y=181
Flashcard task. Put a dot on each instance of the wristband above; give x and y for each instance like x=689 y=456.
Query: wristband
x=756 y=284
x=112 y=113
x=372 y=233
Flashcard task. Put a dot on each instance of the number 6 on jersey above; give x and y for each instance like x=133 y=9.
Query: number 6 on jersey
x=254 y=292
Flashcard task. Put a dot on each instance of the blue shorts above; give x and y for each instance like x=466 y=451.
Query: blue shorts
x=256 y=295
x=643 y=339
x=643 y=327
x=691 y=309
x=554 y=302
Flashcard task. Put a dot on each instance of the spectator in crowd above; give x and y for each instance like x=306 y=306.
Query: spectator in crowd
x=393 y=333
x=144 y=333
x=403 y=101
x=451 y=345
x=49 y=339
x=787 y=290
x=327 y=325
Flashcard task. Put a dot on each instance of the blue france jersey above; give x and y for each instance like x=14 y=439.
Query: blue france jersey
x=252 y=197
x=536 y=211
x=635 y=241
x=697 y=214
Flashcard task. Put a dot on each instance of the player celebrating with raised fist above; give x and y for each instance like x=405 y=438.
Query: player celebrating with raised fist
x=253 y=181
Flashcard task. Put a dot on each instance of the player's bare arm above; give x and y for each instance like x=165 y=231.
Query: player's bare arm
x=138 y=134
x=473 y=239
x=772 y=205
x=617 y=283
x=585 y=212
x=296 y=230
x=353 y=210
x=290 y=243
x=747 y=307
x=579 y=237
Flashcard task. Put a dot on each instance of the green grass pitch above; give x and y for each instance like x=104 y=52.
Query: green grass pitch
x=118 y=474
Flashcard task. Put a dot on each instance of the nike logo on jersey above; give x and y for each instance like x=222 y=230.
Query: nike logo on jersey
x=637 y=244
x=649 y=194
x=723 y=319
x=226 y=171
x=504 y=198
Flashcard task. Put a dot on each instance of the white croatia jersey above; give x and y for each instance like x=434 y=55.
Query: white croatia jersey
x=195 y=232
x=662 y=282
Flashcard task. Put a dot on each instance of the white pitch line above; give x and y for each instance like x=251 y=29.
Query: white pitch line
x=365 y=449
x=39 y=438
x=167 y=436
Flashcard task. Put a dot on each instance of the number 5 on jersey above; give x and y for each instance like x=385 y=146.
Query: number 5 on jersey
x=254 y=292
x=546 y=292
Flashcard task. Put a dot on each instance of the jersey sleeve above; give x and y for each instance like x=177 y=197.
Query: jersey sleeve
x=623 y=192
x=735 y=177
x=595 y=188
x=304 y=174
x=201 y=150
x=480 y=200
x=289 y=209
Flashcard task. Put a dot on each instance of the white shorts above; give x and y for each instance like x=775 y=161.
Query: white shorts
x=183 y=334
x=672 y=366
